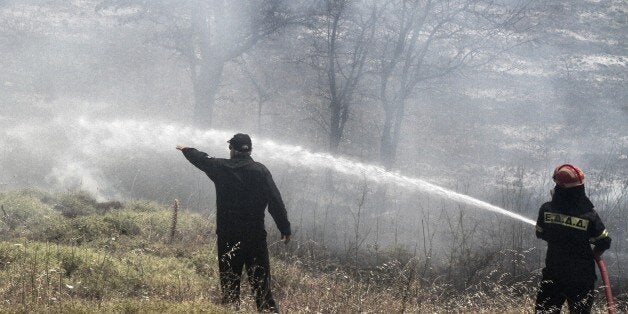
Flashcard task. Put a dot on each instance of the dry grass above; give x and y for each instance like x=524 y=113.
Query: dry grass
x=121 y=260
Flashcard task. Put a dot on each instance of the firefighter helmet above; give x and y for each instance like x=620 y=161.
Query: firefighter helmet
x=568 y=176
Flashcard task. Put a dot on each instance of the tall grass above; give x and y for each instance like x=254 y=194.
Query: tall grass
x=122 y=259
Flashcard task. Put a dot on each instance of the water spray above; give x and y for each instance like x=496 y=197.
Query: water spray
x=161 y=136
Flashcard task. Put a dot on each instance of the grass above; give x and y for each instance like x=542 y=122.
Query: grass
x=112 y=257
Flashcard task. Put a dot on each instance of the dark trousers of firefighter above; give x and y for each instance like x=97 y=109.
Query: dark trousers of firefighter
x=554 y=291
x=251 y=252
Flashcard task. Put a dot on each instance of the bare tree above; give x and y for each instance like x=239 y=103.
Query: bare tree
x=423 y=40
x=263 y=83
x=206 y=35
x=343 y=31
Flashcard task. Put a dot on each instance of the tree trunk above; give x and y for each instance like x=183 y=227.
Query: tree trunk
x=396 y=135
x=335 y=130
x=206 y=86
x=385 y=150
x=391 y=133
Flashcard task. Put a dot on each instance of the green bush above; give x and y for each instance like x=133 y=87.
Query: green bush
x=54 y=229
x=20 y=209
x=76 y=204
x=105 y=207
x=123 y=222
x=144 y=206
x=76 y=231
x=87 y=229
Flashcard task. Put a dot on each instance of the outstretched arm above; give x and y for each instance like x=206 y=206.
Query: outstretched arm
x=199 y=159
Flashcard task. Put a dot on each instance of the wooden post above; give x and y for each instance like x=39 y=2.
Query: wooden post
x=173 y=227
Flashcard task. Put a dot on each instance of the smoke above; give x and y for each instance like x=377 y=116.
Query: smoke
x=74 y=175
x=90 y=103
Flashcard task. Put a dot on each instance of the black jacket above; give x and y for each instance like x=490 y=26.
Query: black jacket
x=570 y=225
x=243 y=190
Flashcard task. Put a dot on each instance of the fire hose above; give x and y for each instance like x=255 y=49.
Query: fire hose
x=610 y=305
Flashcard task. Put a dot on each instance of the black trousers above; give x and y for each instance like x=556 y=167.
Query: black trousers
x=554 y=291
x=236 y=252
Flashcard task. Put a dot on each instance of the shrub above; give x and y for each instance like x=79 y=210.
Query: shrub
x=87 y=229
x=79 y=230
x=22 y=208
x=76 y=204
x=108 y=206
x=144 y=206
x=54 y=229
x=123 y=222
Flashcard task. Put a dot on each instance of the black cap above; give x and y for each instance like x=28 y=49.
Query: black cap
x=241 y=142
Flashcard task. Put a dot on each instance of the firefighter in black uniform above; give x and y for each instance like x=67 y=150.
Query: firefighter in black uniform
x=569 y=225
x=244 y=188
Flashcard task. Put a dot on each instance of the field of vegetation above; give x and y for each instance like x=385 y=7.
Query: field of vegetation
x=69 y=253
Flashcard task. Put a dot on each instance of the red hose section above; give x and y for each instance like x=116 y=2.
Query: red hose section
x=610 y=305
